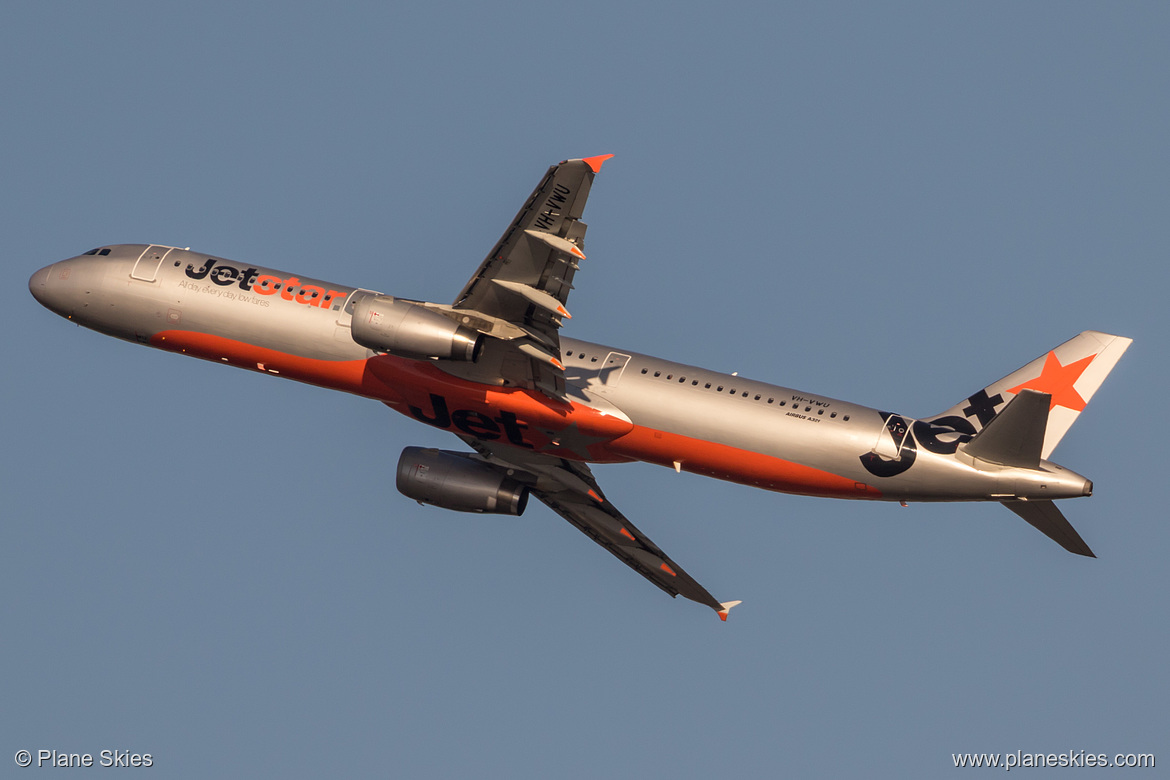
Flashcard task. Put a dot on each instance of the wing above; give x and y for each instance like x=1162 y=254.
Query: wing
x=570 y=490
x=519 y=291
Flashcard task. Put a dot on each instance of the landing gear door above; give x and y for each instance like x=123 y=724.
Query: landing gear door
x=893 y=437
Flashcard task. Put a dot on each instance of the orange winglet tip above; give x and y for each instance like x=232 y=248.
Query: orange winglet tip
x=668 y=570
x=727 y=606
x=595 y=162
x=628 y=535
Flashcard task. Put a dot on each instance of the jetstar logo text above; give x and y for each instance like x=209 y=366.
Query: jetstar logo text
x=473 y=423
x=942 y=437
x=251 y=280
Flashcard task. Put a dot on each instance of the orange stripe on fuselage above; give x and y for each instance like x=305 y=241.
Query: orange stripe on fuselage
x=736 y=465
x=402 y=383
x=349 y=376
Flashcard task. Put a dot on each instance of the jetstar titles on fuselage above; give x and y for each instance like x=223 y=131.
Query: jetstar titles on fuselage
x=251 y=280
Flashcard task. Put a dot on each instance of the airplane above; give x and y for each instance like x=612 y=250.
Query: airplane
x=535 y=408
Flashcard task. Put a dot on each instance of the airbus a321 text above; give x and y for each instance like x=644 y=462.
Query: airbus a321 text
x=535 y=407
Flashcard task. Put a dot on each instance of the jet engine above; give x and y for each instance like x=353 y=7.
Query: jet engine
x=406 y=329
x=454 y=480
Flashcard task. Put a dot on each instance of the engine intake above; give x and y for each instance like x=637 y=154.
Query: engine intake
x=454 y=480
x=387 y=324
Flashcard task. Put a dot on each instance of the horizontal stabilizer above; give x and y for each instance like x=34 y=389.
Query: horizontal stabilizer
x=1048 y=520
x=1015 y=436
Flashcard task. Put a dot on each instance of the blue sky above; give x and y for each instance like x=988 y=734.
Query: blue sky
x=891 y=204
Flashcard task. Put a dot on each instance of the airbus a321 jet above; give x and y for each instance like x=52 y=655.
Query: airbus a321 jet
x=535 y=407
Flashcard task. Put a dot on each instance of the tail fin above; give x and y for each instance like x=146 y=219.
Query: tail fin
x=1070 y=374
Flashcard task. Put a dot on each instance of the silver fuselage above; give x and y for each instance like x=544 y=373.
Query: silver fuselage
x=663 y=412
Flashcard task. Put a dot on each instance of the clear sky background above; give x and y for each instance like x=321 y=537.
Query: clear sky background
x=894 y=204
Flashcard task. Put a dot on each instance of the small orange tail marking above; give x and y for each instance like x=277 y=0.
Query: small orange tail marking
x=596 y=162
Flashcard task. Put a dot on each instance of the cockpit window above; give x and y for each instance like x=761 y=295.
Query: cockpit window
x=104 y=252
x=91 y=252
x=99 y=251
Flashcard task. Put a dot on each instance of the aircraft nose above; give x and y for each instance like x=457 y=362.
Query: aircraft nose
x=38 y=285
x=51 y=286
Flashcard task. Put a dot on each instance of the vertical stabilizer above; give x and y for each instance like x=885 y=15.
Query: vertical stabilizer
x=1070 y=374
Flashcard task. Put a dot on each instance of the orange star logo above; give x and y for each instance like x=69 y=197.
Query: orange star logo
x=1058 y=381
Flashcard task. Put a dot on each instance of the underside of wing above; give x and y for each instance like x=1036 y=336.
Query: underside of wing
x=570 y=490
x=520 y=290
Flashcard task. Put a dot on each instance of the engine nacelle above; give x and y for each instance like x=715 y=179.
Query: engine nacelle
x=457 y=481
x=387 y=324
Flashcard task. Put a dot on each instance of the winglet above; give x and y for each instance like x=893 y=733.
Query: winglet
x=596 y=162
x=727 y=605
